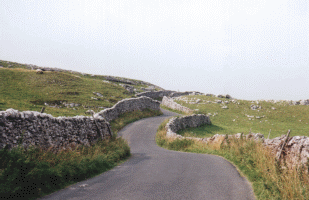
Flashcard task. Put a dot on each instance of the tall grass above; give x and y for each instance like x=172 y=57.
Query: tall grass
x=270 y=180
x=31 y=173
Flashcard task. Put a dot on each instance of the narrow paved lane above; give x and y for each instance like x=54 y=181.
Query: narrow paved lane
x=156 y=173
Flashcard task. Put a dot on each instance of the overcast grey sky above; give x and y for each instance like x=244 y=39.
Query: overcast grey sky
x=250 y=49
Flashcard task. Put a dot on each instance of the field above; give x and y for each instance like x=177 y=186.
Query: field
x=271 y=117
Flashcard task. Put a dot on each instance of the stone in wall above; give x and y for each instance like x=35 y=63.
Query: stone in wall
x=40 y=129
x=128 y=105
x=169 y=102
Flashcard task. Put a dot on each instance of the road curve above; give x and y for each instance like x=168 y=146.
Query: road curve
x=156 y=173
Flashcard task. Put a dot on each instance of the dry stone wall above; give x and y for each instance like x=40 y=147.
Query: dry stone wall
x=169 y=102
x=296 y=150
x=46 y=131
x=156 y=94
x=175 y=124
x=128 y=105
x=31 y=128
x=168 y=93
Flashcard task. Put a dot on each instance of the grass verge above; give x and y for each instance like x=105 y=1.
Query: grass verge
x=269 y=179
x=32 y=173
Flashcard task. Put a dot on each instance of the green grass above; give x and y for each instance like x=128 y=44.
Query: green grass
x=23 y=89
x=269 y=179
x=234 y=119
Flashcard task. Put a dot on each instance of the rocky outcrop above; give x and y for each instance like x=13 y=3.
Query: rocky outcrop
x=177 y=123
x=128 y=105
x=34 y=128
x=169 y=102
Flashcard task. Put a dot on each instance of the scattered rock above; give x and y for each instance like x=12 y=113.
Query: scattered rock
x=98 y=94
x=254 y=107
x=304 y=102
x=39 y=71
x=224 y=107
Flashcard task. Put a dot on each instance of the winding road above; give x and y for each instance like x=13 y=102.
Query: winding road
x=156 y=173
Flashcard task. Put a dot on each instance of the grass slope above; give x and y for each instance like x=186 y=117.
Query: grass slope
x=24 y=89
x=235 y=119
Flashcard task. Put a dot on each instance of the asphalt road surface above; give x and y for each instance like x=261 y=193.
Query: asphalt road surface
x=156 y=173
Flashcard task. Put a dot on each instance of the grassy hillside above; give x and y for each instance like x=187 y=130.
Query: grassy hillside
x=24 y=89
x=240 y=118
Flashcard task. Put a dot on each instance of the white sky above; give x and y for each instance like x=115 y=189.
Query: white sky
x=250 y=49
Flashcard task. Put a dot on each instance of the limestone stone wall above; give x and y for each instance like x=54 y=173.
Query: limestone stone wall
x=169 y=102
x=40 y=129
x=155 y=94
x=177 y=123
x=44 y=130
x=128 y=105
x=296 y=150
